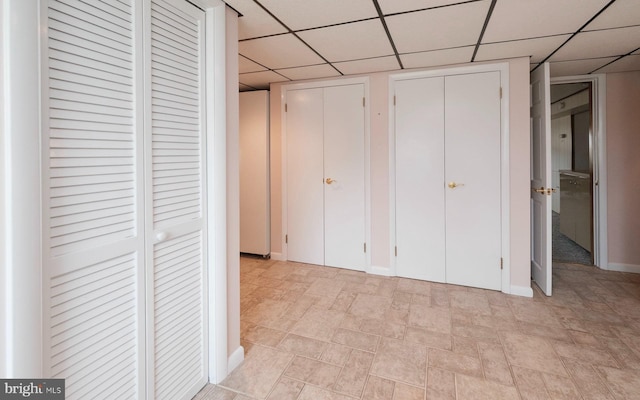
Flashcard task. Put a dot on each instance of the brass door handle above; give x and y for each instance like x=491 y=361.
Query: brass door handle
x=453 y=185
x=330 y=181
x=541 y=190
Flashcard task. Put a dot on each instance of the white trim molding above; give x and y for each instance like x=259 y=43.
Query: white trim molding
x=277 y=256
x=235 y=359
x=525 y=291
x=633 y=268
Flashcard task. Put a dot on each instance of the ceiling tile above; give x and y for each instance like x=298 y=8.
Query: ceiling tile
x=260 y=80
x=609 y=42
x=577 y=67
x=255 y=22
x=278 y=52
x=310 y=72
x=437 y=57
x=534 y=18
x=354 y=41
x=537 y=49
x=395 y=6
x=307 y=14
x=388 y=63
x=439 y=28
x=621 y=13
x=244 y=88
x=246 y=65
x=625 y=64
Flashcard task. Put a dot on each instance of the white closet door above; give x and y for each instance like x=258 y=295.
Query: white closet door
x=305 y=177
x=472 y=156
x=93 y=286
x=176 y=286
x=420 y=223
x=344 y=194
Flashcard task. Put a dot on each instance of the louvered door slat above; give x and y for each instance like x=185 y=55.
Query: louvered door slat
x=95 y=306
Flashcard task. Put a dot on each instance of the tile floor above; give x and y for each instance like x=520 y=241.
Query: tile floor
x=319 y=333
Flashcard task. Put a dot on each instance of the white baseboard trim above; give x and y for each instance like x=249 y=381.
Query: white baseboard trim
x=236 y=358
x=277 y=256
x=377 y=270
x=523 y=291
x=624 y=268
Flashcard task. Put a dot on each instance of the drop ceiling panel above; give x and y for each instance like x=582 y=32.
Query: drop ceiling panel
x=260 y=80
x=245 y=65
x=395 y=6
x=369 y=65
x=609 y=42
x=255 y=22
x=347 y=42
x=537 y=49
x=577 y=67
x=629 y=63
x=277 y=52
x=437 y=57
x=310 y=72
x=438 y=28
x=526 y=19
x=621 y=13
x=298 y=14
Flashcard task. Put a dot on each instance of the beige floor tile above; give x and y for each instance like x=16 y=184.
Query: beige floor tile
x=353 y=377
x=476 y=332
x=343 y=301
x=587 y=380
x=401 y=361
x=414 y=286
x=303 y=346
x=472 y=388
x=370 y=306
x=318 y=323
x=530 y=384
x=324 y=287
x=625 y=384
x=314 y=372
x=266 y=312
x=357 y=340
x=259 y=372
x=286 y=389
x=314 y=393
x=264 y=336
x=378 y=389
x=441 y=383
x=534 y=312
x=473 y=303
x=465 y=346
x=406 y=392
x=453 y=362
x=560 y=387
x=430 y=318
x=625 y=357
x=531 y=352
x=383 y=328
x=544 y=331
x=585 y=353
x=494 y=363
x=428 y=338
x=336 y=354
x=300 y=306
x=212 y=392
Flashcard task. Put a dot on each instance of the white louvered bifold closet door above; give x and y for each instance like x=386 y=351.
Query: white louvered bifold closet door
x=177 y=296
x=93 y=248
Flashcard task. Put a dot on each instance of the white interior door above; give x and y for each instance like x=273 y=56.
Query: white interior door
x=420 y=193
x=541 y=178
x=305 y=176
x=472 y=176
x=93 y=287
x=344 y=191
x=177 y=279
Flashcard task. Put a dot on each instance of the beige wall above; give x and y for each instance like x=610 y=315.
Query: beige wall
x=379 y=123
x=623 y=167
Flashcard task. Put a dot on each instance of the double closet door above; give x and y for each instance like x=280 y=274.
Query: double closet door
x=124 y=195
x=448 y=179
x=325 y=169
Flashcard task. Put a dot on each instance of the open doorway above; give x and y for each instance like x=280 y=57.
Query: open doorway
x=572 y=162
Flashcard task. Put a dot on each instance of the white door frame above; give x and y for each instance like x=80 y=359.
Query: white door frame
x=367 y=155
x=503 y=68
x=599 y=168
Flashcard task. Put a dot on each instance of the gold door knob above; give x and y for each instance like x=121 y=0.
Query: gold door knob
x=329 y=181
x=541 y=190
x=453 y=185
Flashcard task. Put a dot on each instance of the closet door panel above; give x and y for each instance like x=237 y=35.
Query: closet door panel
x=472 y=154
x=305 y=179
x=420 y=201
x=344 y=195
x=176 y=285
x=92 y=174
